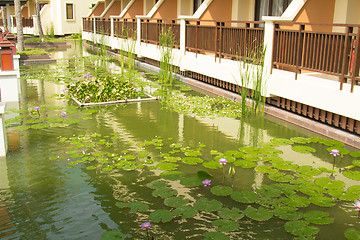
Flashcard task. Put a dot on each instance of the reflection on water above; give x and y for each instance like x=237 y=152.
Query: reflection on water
x=45 y=199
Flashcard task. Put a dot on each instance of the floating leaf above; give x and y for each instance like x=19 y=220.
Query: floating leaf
x=142 y=154
x=129 y=157
x=352 y=234
x=322 y=201
x=172 y=175
x=215 y=236
x=40 y=126
x=203 y=204
x=303 y=149
x=282 y=141
x=354 y=189
x=296 y=201
x=161 y=216
x=269 y=191
x=164 y=192
x=192 y=153
x=308 y=170
x=185 y=212
x=225 y=225
x=114 y=235
x=300 y=228
x=157 y=184
x=172 y=159
x=355 y=154
x=287 y=213
x=284 y=165
x=191 y=181
x=324 y=169
x=244 y=164
x=280 y=177
x=91 y=168
x=229 y=159
x=71 y=121
x=343 y=195
x=192 y=160
x=318 y=217
x=176 y=202
x=265 y=169
x=300 y=140
x=202 y=175
x=269 y=202
x=355 y=175
x=167 y=166
x=221 y=190
x=245 y=196
x=260 y=214
x=328 y=183
x=212 y=165
x=34 y=120
x=234 y=213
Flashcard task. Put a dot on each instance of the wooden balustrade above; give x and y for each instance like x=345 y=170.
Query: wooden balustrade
x=125 y=28
x=152 y=28
x=233 y=39
x=103 y=26
x=27 y=22
x=88 y=25
x=297 y=48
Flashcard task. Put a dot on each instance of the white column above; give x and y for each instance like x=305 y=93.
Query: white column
x=268 y=47
x=9 y=22
x=3 y=138
x=36 y=25
x=112 y=27
x=138 y=37
x=182 y=35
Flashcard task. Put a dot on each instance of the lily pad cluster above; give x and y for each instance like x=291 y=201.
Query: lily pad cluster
x=290 y=190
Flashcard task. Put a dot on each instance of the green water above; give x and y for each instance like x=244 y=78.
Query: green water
x=42 y=196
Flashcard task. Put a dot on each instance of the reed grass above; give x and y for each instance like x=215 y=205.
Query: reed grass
x=166 y=42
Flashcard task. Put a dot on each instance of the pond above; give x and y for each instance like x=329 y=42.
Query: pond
x=102 y=172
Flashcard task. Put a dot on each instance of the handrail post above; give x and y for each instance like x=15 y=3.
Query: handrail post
x=112 y=28
x=220 y=40
x=298 y=50
x=268 y=48
x=355 y=67
x=197 y=37
x=138 y=37
x=216 y=37
x=94 y=26
x=345 y=57
x=183 y=36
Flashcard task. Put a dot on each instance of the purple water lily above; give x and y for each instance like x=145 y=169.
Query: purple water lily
x=66 y=61
x=142 y=73
x=222 y=161
x=145 y=225
x=37 y=108
x=63 y=114
x=357 y=205
x=206 y=182
x=335 y=152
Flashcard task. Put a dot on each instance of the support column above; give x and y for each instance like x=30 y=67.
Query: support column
x=268 y=48
x=3 y=138
x=138 y=37
x=182 y=39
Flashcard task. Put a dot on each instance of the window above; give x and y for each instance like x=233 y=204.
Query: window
x=69 y=11
x=270 y=8
x=197 y=4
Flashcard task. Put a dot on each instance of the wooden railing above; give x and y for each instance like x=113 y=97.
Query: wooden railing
x=235 y=39
x=27 y=22
x=125 y=28
x=152 y=28
x=333 y=53
x=103 y=26
x=88 y=25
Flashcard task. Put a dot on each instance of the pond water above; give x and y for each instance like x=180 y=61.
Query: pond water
x=99 y=174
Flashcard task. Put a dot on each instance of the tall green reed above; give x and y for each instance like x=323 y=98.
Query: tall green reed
x=166 y=43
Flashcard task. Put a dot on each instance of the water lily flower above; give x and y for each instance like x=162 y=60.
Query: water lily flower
x=37 y=108
x=63 y=114
x=24 y=64
x=334 y=152
x=222 y=161
x=74 y=56
x=206 y=182
x=142 y=73
x=66 y=61
x=357 y=205
x=91 y=76
x=145 y=225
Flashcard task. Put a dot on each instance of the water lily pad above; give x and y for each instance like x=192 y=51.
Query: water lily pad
x=234 y=213
x=167 y=166
x=215 y=152
x=34 y=120
x=352 y=234
x=172 y=175
x=71 y=121
x=269 y=191
x=229 y=159
x=244 y=164
x=225 y=225
x=157 y=184
x=311 y=189
x=185 y=212
x=300 y=228
x=134 y=206
x=269 y=202
x=129 y=157
x=192 y=160
x=355 y=154
x=301 y=140
x=191 y=181
x=303 y=149
x=142 y=154
x=355 y=175
x=260 y=214
x=308 y=170
x=322 y=201
x=328 y=183
x=282 y=141
x=245 y=196
x=161 y=216
x=354 y=189
x=324 y=169
x=215 y=236
x=114 y=235
x=91 y=168
x=221 y=190
x=176 y=202
x=280 y=177
x=296 y=201
x=202 y=175
x=203 y=204
x=265 y=169
x=192 y=153
x=164 y=192
x=343 y=195
x=172 y=159
x=22 y=127
x=55 y=120
x=287 y=213
x=284 y=165
x=212 y=165
x=318 y=217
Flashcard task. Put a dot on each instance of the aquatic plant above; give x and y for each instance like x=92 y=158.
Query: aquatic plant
x=166 y=44
x=206 y=182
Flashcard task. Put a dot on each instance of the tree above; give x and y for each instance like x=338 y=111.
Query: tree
x=37 y=6
x=19 y=26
